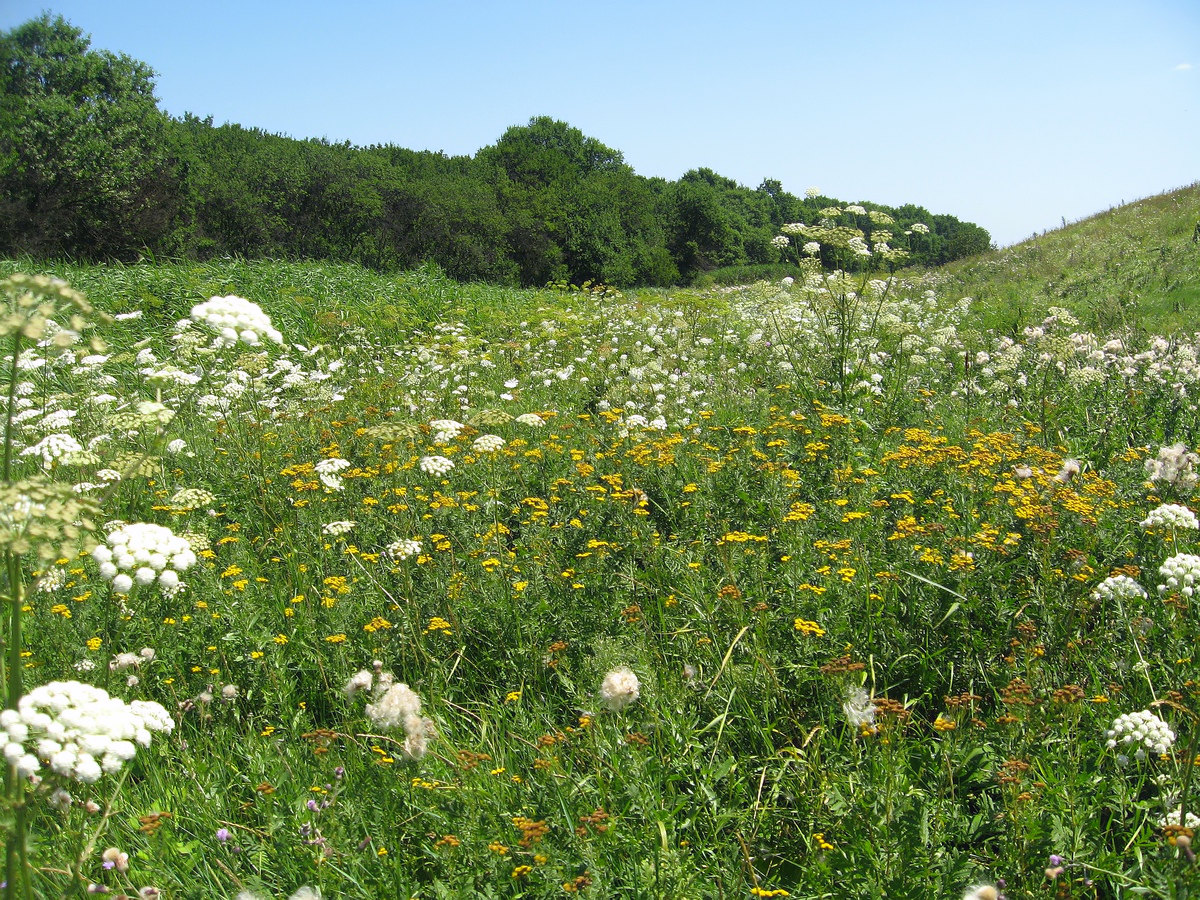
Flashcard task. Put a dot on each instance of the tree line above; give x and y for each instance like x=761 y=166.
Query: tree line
x=91 y=168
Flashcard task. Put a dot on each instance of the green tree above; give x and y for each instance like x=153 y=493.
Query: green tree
x=85 y=168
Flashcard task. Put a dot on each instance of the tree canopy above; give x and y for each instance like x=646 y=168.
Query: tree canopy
x=85 y=166
x=91 y=168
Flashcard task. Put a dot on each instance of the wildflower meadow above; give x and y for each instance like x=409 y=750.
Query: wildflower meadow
x=320 y=582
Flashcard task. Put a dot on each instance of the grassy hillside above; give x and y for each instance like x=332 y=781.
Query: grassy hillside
x=1135 y=266
x=823 y=589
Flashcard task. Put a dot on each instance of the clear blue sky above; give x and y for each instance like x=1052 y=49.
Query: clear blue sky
x=1012 y=115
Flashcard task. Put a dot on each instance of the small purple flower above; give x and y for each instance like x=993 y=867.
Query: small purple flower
x=312 y=805
x=222 y=834
x=1055 y=859
x=339 y=772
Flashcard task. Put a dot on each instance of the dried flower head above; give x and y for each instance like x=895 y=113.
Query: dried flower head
x=619 y=688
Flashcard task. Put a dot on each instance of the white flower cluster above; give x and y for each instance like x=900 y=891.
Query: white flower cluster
x=395 y=706
x=1176 y=466
x=1176 y=817
x=235 y=319
x=337 y=529
x=402 y=549
x=51 y=580
x=445 y=430
x=1118 y=587
x=487 y=443
x=327 y=470
x=150 y=552
x=1181 y=572
x=1144 y=729
x=812 y=248
x=533 y=420
x=619 y=689
x=78 y=730
x=192 y=498
x=780 y=242
x=55 y=448
x=1171 y=515
x=436 y=466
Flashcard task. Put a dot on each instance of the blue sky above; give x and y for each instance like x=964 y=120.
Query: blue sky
x=1013 y=115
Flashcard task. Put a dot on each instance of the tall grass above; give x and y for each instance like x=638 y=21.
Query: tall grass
x=837 y=531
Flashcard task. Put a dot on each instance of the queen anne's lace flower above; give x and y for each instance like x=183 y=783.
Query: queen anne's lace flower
x=1176 y=817
x=436 y=465
x=328 y=469
x=1180 y=573
x=235 y=319
x=1170 y=515
x=1118 y=587
x=336 y=529
x=146 y=553
x=403 y=549
x=1142 y=729
x=78 y=730
x=55 y=448
x=331 y=466
x=531 y=419
x=445 y=430
x=487 y=443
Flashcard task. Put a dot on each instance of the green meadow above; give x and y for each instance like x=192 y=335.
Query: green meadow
x=853 y=585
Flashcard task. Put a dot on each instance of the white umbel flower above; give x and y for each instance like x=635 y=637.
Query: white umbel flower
x=436 y=466
x=235 y=320
x=78 y=730
x=331 y=466
x=1180 y=573
x=1170 y=516
x=445 y=430
x=143 y=552
x=1118 y=587
x=55 y=448
x=1143 y=730
x=402 y=549
x=487 y=443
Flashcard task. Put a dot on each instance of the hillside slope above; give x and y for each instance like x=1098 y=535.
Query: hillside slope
x=1137 y=265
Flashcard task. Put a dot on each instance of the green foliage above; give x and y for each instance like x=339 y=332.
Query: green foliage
x=85 y=167
x=90 y=168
